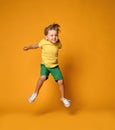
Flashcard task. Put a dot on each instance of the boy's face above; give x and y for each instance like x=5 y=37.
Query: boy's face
x=52 y=36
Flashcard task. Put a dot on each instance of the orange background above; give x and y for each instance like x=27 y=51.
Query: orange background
x=87 y=59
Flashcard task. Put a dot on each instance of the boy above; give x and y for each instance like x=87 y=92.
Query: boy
x=50 y=46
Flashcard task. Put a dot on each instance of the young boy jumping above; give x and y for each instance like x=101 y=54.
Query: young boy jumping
x=50 y=46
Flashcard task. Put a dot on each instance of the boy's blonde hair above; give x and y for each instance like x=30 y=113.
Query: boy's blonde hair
x=52 y=27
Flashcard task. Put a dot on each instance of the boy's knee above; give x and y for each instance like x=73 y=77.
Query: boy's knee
x=43 y=78
x=60 y=82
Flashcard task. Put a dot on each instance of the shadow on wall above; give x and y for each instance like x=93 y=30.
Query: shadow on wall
x=73 y=69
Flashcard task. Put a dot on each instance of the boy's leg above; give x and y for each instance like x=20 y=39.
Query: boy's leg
x=65 y=101
x=44 y=75
x=61 y=87
x=38 y=86
x=56 y=72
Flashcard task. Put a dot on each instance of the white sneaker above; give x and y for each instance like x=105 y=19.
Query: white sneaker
x=32 y=97
x=66 y=102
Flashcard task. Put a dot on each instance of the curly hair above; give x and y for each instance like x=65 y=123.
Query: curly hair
x=53 y=26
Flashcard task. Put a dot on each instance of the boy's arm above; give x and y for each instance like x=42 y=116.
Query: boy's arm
x=33 y=46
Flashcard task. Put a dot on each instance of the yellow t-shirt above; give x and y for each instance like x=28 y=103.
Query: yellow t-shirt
x=49 y=53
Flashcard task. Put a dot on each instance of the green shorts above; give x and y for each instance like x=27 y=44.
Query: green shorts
x=56 y=72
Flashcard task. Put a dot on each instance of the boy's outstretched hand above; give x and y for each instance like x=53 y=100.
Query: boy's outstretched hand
x=25 y=48
x=33 y=46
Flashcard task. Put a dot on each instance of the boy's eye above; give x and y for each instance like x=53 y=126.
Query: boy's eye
x=53 y=35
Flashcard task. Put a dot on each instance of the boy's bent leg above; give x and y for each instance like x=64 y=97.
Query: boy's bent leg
x=38 y=86
x=39 y=83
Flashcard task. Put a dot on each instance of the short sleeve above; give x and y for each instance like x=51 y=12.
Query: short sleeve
x=41 y=43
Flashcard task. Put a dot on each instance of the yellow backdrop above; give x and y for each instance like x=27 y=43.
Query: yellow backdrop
x=87 y=58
